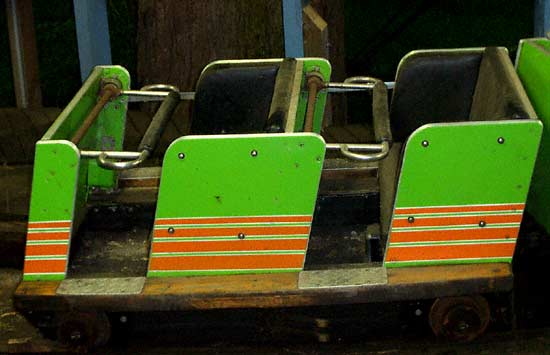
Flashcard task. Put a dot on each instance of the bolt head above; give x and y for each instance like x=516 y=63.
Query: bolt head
x=240 y=235
x=410 y=219
x=171 y=230
x=181 y=155
x=500 y=140
x=482 y=223
x=254 y=153
x=425 y=143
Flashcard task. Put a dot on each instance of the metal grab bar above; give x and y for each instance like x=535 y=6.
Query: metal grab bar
x=381 y=150
x=106 y=159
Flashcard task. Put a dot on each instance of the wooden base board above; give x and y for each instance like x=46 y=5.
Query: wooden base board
x=272 y=290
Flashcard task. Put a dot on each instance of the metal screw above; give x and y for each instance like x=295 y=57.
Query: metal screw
x=482 y=223
x=425 y=143
x=240 y=235
x=254 y=153
x=123 y=319
x=171 y=230
x=410 y=219
x=181 y=155
x=418 y=312
x=75 y=335
x=500 y=140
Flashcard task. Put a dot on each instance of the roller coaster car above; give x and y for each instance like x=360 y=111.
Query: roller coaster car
x=255 y=210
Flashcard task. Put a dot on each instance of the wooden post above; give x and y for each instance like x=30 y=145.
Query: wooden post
x=24 y=59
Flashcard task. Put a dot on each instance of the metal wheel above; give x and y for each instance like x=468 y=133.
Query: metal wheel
x=84 y=329
x=460 y=319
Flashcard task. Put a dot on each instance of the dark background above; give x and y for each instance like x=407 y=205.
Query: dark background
x=377 y=34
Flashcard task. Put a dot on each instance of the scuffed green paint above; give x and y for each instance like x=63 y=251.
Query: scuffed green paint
x=533 y=68
x=44 y=277
x=465 y=165
x=54 y=185
x=219 y=176
x=321 y=66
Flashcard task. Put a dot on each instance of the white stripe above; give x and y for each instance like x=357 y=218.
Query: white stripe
x=447 y=243
x=479 y=205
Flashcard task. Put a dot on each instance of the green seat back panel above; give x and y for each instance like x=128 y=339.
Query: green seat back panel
x=54 y=186
x=462 y=192
x=236 y=204
x=533 y=68
x=61 y=179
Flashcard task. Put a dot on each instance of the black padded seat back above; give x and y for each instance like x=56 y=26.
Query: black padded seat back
x=499 y=94
x=233 y=99
x=433 y=86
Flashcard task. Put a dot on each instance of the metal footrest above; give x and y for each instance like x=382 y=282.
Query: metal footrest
x=351 y=277
x=102 y=286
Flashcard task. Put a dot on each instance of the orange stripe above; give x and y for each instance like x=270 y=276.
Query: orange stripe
x=517 y=207
x=48 y=249
x=226 y=262
x=211 y=232
x=450 y=221
x=48 y=236
x=464 y=234
x=450 y=252
x=38 y=266
x=221 y=220
x=230 y=245
x=49 y=224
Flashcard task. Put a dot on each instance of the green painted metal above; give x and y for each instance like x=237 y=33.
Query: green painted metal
x=239 y=175
x=54 y=185
x=533 y=68
x=61 y=179
x=454 y=164
x=107 y=133
x=323 y=67
x=464 y=164
x=220 y=177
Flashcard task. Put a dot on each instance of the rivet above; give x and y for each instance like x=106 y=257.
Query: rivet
x=500 y=140
x=254 y=153
x=425 y=143
x=171 y=230
x=410 y=219
x=240 y=235
x=482 y=223
x=181 y=155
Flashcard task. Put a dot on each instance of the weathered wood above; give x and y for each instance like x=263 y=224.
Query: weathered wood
x=24 y=57
x=176 y=39
x=274 y=290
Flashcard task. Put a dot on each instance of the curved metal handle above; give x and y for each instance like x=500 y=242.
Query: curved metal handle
x=384 y=150
x=104 y=161
x=160 y=87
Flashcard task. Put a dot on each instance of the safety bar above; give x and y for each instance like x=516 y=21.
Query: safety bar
x=110 y=88
x=381 y=120
x=156 y=92
x=106 y=159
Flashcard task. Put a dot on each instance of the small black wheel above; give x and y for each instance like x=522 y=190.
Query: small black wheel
x=460 y=319
x=85 y=330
